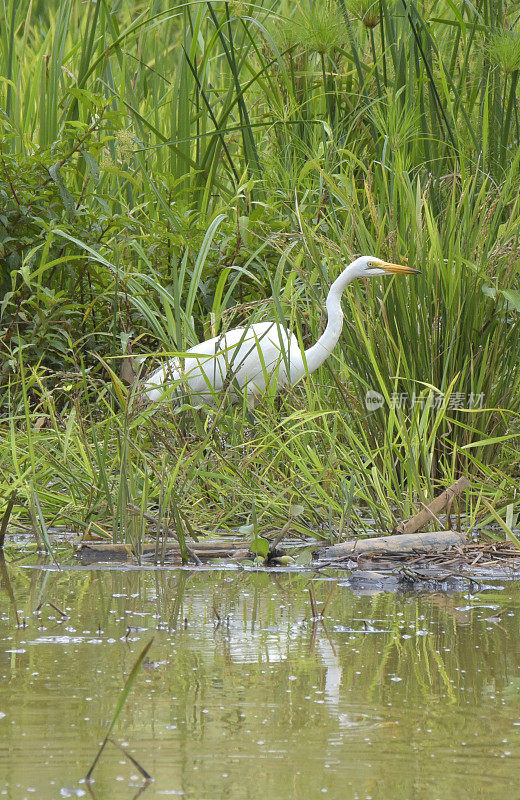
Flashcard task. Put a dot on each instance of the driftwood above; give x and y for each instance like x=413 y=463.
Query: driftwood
x=102 y=551
x=473 y=561
x=435 y=541
x=434 y=508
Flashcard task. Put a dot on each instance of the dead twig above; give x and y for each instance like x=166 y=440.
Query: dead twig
x=6 y=517
x=430 y=511
x=283 y=533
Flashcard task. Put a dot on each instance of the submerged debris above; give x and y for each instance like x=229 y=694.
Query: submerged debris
x=490 y=559
x=369 y=582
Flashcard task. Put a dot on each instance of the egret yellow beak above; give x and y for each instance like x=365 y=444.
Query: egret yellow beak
x=398 y=268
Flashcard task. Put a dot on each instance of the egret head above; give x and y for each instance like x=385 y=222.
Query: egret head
x=370 y=266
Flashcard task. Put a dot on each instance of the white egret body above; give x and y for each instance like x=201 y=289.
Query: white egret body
x=261 y=355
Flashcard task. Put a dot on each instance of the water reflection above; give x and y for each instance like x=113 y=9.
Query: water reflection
x=244 y=694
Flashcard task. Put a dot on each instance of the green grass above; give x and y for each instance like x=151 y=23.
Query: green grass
x=168 y=172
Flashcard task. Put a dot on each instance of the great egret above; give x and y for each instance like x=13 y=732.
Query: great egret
x=262 y=354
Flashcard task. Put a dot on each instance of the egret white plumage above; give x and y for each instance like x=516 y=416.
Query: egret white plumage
x=263 y=354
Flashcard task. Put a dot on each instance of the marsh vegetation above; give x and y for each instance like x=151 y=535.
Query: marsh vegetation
x=170 y=171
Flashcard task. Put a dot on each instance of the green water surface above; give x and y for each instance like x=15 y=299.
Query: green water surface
x=391 y=697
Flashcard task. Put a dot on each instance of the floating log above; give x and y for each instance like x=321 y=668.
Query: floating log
x=108 y=551
x=434 y=508
x=434 y=541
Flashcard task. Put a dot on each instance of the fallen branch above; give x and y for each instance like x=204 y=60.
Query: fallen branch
x=281 y=535
x=120 y=551
x=431 y=511
x=435 y=541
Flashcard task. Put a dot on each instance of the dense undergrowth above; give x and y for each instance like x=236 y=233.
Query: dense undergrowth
x=170 y=171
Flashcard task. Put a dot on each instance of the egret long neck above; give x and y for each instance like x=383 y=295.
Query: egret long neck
x=319 y=352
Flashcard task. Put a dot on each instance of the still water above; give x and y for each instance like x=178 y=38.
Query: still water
x=391 y=697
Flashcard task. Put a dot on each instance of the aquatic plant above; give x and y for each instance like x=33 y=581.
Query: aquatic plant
x=504 y=50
